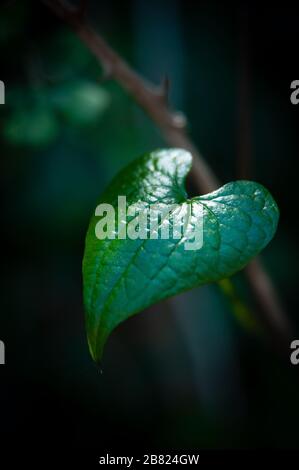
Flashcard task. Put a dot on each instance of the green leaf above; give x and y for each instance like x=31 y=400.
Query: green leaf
x=123 y=276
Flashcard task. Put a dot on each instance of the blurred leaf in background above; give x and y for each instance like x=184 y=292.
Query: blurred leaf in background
x=34 y=114
x=81 y=103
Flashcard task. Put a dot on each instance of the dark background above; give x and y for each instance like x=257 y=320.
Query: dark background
x=186 y=374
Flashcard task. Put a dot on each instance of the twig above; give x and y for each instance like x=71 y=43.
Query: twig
x=172 y=126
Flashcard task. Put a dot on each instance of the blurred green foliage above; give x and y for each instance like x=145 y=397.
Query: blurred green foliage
x=34 y=114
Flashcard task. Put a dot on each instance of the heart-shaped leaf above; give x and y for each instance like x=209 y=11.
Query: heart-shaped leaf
x=122 y=275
